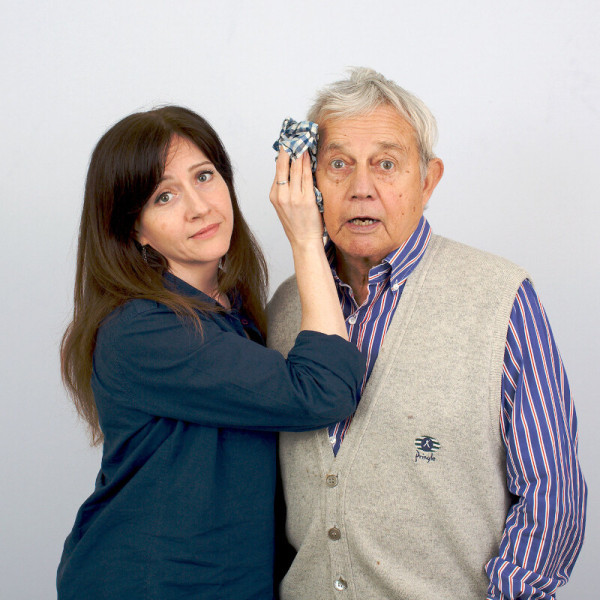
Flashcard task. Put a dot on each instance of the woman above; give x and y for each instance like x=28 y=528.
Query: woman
x=165 y=361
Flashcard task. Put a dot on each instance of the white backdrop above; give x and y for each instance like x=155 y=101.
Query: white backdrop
x=514 y=86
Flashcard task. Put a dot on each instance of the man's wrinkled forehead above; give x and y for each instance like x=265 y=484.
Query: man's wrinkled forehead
x=384 y=130
x=334 y=147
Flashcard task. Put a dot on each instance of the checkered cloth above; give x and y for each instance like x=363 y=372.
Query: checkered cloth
x=296 y=138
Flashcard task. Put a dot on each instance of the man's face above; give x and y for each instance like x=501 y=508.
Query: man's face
x=368 y=173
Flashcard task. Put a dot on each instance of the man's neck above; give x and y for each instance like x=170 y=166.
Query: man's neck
x=355 y=272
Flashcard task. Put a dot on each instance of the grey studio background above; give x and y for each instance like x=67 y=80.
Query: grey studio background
x=515 y=89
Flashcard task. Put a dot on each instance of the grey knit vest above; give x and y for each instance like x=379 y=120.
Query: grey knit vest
x=414 y=504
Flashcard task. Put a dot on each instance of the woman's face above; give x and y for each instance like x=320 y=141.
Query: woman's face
x=189 y=218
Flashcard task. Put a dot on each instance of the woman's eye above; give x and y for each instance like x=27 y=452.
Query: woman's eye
x=163 y=198
x=386 y=165
x=205 y=176
x=338 y=163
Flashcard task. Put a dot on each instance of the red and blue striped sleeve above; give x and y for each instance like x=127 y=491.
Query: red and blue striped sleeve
x=545 y=525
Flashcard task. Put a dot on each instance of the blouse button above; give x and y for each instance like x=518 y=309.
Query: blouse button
x=352 y=319
x=395 y=287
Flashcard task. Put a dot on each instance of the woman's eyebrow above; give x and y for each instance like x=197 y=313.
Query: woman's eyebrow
x=204 y=162
x=190 y=169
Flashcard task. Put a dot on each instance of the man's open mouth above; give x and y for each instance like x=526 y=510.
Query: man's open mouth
x=363 y=221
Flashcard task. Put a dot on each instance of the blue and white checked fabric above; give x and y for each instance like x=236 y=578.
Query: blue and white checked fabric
x=296 y=137
x=544 y=529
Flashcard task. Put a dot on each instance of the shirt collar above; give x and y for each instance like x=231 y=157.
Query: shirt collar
x=179 y=286
x=399 y=263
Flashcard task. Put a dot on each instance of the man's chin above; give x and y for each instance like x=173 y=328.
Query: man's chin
x=360 y=251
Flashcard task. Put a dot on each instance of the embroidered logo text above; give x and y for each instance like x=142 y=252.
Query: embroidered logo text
x=426 y=448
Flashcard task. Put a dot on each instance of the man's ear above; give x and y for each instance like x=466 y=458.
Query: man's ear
x=435 y=170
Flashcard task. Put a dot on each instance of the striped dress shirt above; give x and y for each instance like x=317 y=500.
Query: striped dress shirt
x=544 y=527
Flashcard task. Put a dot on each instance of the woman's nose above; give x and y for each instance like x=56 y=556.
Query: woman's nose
x=196 y=205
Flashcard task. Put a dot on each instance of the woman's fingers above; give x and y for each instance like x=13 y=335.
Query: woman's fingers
x=296 y=177
x=281 y=177
x=295 y=201
x=282 y=166
x=307 y=179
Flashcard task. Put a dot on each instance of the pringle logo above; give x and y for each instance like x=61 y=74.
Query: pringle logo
x=426 y=446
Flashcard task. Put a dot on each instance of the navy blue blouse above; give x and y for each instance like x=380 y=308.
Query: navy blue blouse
x=183 y=503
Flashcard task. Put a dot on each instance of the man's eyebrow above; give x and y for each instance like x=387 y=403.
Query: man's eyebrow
x=393 y=146
x=337 y=147
x=332 y=147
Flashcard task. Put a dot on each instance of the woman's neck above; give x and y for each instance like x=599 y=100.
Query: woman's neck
x=205 y=280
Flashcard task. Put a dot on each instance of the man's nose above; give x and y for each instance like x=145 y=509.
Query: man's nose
x=363 y=185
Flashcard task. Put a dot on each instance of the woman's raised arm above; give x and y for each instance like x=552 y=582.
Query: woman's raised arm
x=293 y=197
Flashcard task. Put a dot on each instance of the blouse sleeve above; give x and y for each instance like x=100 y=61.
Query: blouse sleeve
x=155 y=362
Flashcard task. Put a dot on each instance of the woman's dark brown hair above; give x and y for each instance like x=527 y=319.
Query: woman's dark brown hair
x=124 y=171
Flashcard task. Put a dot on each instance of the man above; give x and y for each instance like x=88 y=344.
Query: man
x=457 y=477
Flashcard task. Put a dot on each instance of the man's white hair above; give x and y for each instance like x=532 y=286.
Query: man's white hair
x=364 y=91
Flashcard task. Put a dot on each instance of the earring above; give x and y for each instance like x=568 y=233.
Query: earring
x=145 y=254
x=222 y=262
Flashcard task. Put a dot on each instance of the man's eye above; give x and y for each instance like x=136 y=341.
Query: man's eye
x=163 y=198
x=386 y=165
x=338 y=163
x=204 y=176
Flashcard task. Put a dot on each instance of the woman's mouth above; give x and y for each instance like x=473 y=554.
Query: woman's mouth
x=205 y=232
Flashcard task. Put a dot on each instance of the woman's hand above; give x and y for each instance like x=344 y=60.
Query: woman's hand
x=294 y=200
x=297 y=210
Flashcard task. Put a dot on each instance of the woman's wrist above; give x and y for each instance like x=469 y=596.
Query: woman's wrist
x=308 y=247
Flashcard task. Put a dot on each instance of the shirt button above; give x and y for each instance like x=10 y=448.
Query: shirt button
x=331 y=480
x=334 y=534
x=340 y=585
x=352 y=319
x=395 y=287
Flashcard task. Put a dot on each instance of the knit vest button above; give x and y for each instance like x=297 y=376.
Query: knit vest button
x=334 y=534
x=331 y=480
x=340 y=585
